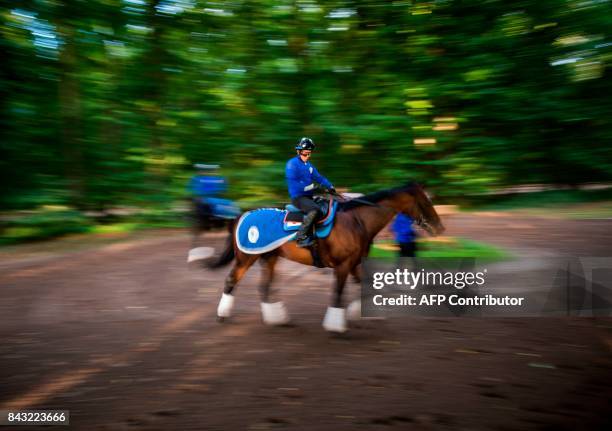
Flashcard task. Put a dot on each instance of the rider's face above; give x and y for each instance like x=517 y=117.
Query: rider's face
x=305 y=155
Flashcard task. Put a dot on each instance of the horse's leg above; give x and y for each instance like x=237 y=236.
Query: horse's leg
x=268 y=262
x=353 y=311
x=197 y=253
x=356 y=273
x=243 y=263
x=197 y=227
x=273 y=313
x=195 y=233
x=335 y=317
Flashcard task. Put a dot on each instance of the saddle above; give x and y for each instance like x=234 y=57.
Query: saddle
x=217 y=207
x=265 y=229
x=294 y=217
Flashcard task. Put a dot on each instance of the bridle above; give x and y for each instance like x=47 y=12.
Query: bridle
x=424 y=224
x=420 y=221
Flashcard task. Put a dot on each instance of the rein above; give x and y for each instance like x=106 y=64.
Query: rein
x=368 y=203
x=361 y=201
x=421 y=222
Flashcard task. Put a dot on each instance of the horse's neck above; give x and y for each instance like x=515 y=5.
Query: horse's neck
x=375 y=218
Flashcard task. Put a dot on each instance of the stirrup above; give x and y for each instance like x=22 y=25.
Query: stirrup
x=305 y=242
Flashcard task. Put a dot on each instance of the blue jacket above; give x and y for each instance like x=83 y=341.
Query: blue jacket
x=402 y=228
x=300 y=177
x=206 y=186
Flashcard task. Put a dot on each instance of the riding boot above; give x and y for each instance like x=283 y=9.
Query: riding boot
x=305 y=237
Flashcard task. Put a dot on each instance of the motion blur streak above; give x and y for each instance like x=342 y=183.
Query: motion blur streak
x=46 y=391
x=70 y=379
x=182 y=322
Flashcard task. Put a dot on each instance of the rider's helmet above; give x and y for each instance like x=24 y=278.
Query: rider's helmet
x=305 y=144
x=205 y=167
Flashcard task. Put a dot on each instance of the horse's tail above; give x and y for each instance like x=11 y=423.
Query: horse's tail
x=228 y=253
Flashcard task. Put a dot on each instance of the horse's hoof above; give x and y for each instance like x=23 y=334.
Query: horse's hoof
x=335 y=320
x=340 y=335
x=200 y=253
x=274 y=313
x=221 y=319
x=288 y=325
x=353 y=311
x=226 y=305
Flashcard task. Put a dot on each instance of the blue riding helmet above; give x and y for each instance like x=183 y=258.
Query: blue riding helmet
x=305 y=144
x=205 y=167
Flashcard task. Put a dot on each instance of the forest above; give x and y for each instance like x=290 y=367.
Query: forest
x=109 y=103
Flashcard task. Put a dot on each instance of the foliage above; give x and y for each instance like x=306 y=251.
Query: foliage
x=107 y=103
x=50 y=222
x=546 y=199
x=451 y=248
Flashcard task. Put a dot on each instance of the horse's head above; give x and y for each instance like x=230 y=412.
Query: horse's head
x=422 y=211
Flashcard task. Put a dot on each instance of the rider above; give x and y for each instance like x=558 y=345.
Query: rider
x=301 y=175
x=206 y=186
x=405 y=235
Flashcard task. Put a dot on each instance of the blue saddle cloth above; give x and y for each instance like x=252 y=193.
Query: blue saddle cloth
x=222 y=208
x=265 y=229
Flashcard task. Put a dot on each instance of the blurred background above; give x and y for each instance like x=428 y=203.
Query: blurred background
x=106 y=104
x=502 y=109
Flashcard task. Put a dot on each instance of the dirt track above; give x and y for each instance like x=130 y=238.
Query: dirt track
x=123 y=335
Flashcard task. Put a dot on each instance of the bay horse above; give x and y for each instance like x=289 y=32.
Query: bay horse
x=357 y=223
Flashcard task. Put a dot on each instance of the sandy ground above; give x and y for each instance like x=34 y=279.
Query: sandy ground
x=123 y=334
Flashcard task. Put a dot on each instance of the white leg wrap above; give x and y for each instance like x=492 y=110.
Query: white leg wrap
x=200 y=253
x=353 y=311
x=274 y=313
x=225 y=305
x=335 y=319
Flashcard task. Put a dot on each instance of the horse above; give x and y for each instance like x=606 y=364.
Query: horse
x=211 y=214
x=357 y=222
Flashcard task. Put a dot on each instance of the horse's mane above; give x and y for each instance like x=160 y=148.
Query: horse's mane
x=378 y=196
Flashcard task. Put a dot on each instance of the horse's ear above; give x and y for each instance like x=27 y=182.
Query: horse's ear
x=411 y=183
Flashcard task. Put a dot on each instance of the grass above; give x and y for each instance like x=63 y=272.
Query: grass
x=448 y=247
x=50 y=222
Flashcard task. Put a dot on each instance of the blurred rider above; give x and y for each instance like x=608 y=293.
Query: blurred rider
x=301 y=176
x=404 y=235
x=206 y=187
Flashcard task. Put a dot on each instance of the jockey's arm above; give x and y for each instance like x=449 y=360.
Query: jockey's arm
x=321 y=179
